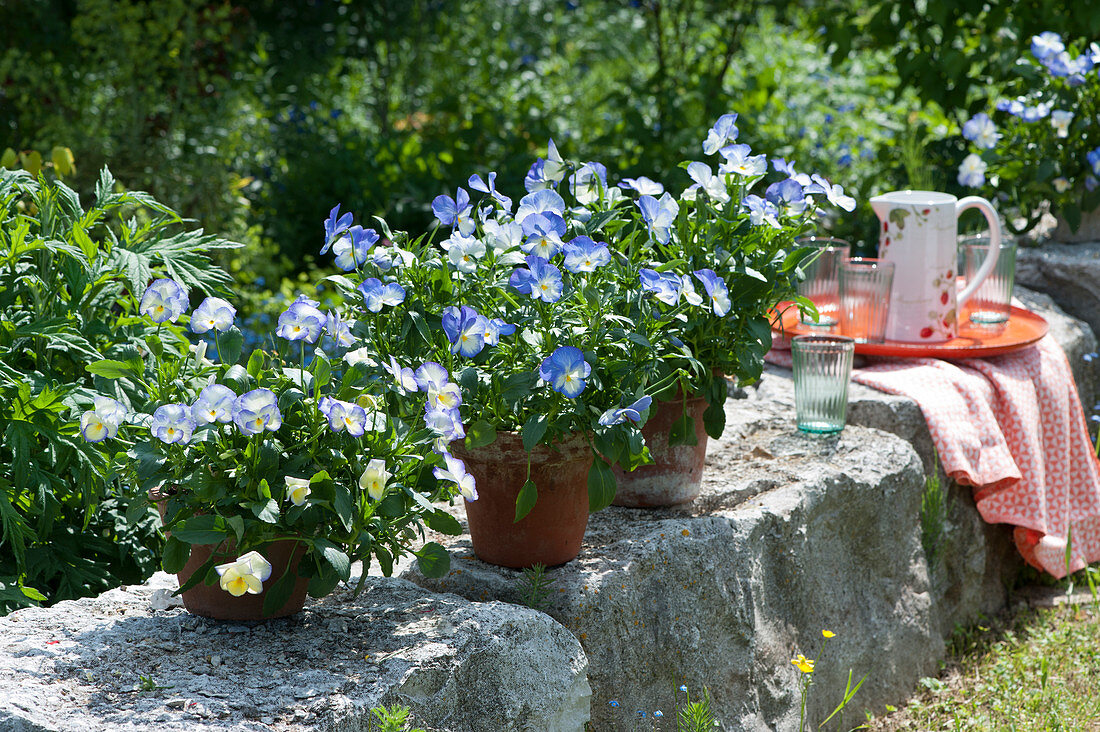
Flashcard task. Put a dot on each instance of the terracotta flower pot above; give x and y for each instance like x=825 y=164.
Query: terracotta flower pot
x=676 y=475
x=211 y=601
x=552 y=532
x=1088 y=230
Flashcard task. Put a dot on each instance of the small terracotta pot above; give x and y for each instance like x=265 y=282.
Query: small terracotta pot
x=676 y=475
x=552 y=532
x=211 y=601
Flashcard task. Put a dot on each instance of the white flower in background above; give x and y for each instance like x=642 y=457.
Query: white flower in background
x=1059 y=120
x=980 y=130
x=972 y=171
x=1061 y=184
x=374 y=478
x=297 y=490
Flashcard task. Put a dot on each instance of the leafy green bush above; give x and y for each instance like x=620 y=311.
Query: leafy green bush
x=67 y=283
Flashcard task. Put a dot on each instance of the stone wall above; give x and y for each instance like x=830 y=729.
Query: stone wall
x=791 y=535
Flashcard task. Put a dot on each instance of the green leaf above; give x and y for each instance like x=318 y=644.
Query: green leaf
x=334 y=556
x=393 y=505
x=237 y=524
x=385 y=560
x=277 y=594
x=421 y=326
x=231 y=343
x=175 y=555
x=480 y=434
x=341 y=503
x=533 y=430
x=433 y=560
x=714 y=420
x=443 y=522
x=601 y=485
x=266 y=511
x=419 y=499
x=323 y=583
x=32 y=594
x=109 y=369
x=256 y=364
x=236 y=378
x=322 y=372
x=610 y=444
x=205 y=529
x=516 y=387
x=467 y=378
x=525 y=501
x=683 y=432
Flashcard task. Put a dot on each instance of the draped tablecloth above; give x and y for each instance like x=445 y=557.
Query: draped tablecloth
x=1012 y=427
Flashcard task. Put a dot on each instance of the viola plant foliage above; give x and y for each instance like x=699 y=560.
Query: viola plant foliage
x=295 y=444
x=67 y=275
x=573 y=309
x=1039 y=140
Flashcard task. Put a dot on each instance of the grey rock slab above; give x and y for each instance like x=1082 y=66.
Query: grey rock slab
x=1069 y=273
x=792 y=534
x=459 y=665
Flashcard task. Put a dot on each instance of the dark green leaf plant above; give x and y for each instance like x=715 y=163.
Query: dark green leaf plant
x=67 y=278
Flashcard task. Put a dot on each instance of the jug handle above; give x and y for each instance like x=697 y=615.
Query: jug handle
x=994 y=244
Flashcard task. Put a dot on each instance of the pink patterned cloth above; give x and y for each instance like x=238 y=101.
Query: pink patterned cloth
x=1011 y=427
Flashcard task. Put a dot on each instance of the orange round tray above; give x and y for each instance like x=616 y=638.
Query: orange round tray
x=1022 y=329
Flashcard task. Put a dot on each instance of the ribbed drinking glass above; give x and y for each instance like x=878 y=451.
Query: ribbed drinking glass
x=822 y=367
x=822 y=285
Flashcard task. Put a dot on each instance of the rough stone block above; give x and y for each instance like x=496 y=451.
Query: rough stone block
x=1070 y=275
x=792 y=534
x=78 y=666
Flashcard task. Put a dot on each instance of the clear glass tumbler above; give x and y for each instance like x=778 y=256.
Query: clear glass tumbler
x=865 y=286
x=991 y=303
x=822 y=367
x=821 y=284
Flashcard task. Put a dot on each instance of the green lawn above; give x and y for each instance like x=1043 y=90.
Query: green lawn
x=1034 y=669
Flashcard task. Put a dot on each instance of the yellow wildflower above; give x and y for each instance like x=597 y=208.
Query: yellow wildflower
x=828 y=633
x=803 y=664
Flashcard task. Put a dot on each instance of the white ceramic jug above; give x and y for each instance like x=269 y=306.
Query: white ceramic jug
x=918 y=234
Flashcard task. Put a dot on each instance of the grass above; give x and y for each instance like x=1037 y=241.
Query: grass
x=1035 y=669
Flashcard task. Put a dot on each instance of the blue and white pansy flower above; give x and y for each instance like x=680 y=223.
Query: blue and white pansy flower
x=565 y=370
x=377 y=294
x=302 y=321
x=633 y=412
x=256 y=411
x=352 y=250
x=103 y=420
x=164 y=301
x=659 y=216
x=213 y=314
x=171 y=423
x=717 y=292
x=214 y=404
x=455 y=472
x=465 y=329
x=721 y=134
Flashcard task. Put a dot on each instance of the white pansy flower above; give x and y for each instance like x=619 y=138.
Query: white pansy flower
x=374 y=478
x=297 y=490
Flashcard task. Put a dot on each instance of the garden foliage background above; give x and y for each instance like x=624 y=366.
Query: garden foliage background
x=254 y=117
